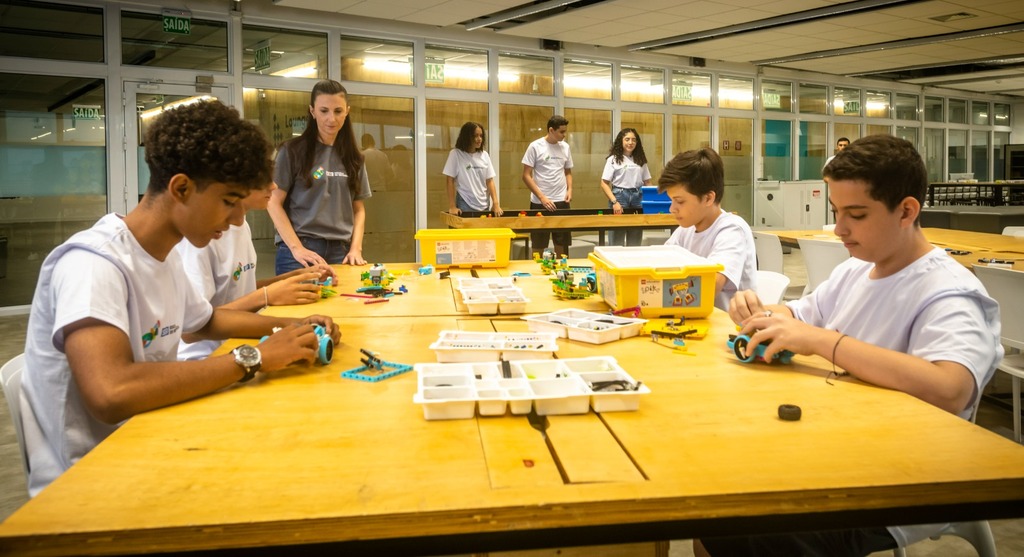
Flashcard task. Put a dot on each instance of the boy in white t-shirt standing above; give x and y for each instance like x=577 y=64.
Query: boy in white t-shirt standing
x=547 y=171
x=695 y=182
x=900 y=313
x=112 y=302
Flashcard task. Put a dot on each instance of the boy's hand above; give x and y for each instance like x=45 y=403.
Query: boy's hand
x=744 y=304
x=298 y=288
x=328 y=324
x=289 y=345
x=781 y=331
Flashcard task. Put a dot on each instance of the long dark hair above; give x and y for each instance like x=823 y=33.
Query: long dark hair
x=618 y=152
x=465 y=140
x=303 y=148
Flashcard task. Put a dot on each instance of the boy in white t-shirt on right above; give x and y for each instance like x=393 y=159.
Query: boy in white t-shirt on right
x=900 y=313
x=695 y=182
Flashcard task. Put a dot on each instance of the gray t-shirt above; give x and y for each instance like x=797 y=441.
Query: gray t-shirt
x=319 y=205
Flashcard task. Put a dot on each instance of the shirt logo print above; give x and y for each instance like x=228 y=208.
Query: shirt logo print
x=319 y=173
x=238 y=272
x=147 y=338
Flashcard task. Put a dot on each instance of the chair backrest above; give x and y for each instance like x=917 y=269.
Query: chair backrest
x=10 y=376
x=771 y=286
x=820 y=257
x=768 y=248
x=1006 y=286
x=1017 y=231
x=936 y=218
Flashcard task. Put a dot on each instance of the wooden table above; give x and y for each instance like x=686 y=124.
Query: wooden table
x=979 y=244
x=555 y=222
x=306 y=457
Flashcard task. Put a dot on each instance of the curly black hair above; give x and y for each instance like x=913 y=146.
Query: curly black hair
x=209 y=142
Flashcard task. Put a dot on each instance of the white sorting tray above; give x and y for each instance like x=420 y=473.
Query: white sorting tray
x=465 y=346
x=586 y=326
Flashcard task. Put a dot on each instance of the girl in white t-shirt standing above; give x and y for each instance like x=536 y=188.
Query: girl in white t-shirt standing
x=470 y=175
x=625 y=172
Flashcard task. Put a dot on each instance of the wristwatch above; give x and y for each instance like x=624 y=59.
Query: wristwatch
x=248 y=358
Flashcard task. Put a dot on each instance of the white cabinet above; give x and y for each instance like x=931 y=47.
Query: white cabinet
x=801 y=205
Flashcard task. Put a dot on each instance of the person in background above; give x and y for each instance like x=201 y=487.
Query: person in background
x=841 y=144
x=625 y=173
x=224 y=272
x=695 y=182
x=318 y=206
x=900 y=313
x=470 y=175
x=547 y=172
x=378 y=165
x=112 y=302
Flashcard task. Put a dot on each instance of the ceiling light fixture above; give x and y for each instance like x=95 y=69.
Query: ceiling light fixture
x=517 y=13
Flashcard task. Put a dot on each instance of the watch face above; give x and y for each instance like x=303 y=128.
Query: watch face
x=247 y=356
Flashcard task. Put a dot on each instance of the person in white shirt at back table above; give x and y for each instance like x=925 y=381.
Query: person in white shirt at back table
x=469 y=174
x=625 y=173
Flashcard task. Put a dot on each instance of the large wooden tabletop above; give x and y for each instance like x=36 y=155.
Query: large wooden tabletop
x=307 y=457
x=532 y=222
x=978 y=244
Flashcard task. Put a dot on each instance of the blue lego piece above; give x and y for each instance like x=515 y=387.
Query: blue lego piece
x=738 y=345
x=374 y=369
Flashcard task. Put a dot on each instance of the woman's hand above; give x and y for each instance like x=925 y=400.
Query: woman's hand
x=354 y=257
x=306 y=257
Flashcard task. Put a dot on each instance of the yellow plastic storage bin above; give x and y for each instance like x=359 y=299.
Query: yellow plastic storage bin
x=664 y=281
x=465 y=247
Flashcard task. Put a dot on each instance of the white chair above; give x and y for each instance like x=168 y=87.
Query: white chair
x=978 y=534
x=820 y=257
x=771 y=286
x=10 y=376
x=1017 y=231
x=1006 y=286
x=768 y=248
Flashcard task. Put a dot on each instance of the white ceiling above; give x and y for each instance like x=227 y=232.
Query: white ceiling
x=629 y=23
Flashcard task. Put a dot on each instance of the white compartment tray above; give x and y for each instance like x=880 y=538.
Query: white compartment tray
x=595 y=328
x=571 y=386
x=463 y=346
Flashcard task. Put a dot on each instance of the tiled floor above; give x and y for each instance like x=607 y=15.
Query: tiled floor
x=1009 y=534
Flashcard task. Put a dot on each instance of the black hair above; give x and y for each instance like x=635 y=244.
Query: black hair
x=639 y=157
x=557 y=121
x=891 y=167
x=465 y=140
x=303 y=148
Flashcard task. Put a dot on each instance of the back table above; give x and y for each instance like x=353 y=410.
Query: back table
x=306 y=457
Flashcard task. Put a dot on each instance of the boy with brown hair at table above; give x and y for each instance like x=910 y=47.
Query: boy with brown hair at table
x=695 y=182
x=900 y=314
x=113 y=301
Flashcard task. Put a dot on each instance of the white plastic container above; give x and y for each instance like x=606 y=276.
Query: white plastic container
x=613 y=400
x=447 y=403
x=595 y=328
x=464 y=346
x=567 y=395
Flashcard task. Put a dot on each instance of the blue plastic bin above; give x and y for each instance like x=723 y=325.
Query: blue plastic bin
x=654 y=202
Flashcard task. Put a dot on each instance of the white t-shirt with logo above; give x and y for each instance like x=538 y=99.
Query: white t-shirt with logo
x=728 y=242
x=626 y=174
x=222 y=272
x=471 y=172
x=101 y=273
x=549 y=162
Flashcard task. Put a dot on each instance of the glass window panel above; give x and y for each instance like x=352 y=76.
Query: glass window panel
x=144 y=43
x=933 y=110
x=376 y=61
x=691 y=89
x=645 y=85
x=934 y=150
x=813 y=150
x=813 y=99
x=391 y=212
x=688 y=133
x=957 y=112
x=590 y=136
x=1002 y=114
x=875 y=129
x=53 y=170
x=54 y=31
x=456 y=68
x=736 y=149
x=999 y=139
x=587 y=80
x=520 y=125
x=447 y=118
x=530 y=75
x=980 y=113
x=651 y=129
x=908 y=133
x=736 y=92
x=979 y=155
x=849 y=131
x=776 y=96
x=846 y=102
x=776 y=139
x=292 y=53
x=956 y=158
x=907 y=107
x=879 y=104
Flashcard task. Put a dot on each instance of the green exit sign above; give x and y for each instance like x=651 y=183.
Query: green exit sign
x=851 y=107
x=435 y=72
x=86 y=112
x=178 y=22
x=262 y=60
x=682 y=92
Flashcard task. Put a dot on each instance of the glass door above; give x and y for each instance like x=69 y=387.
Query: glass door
x=143 y=102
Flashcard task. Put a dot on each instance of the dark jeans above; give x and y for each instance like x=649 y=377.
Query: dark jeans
x=826 y=543
x=631 y=200
x=560 y=238
x=333 y=252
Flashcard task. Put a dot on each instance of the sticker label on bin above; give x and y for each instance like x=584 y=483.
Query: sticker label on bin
x=455 y=252
x=677 y=293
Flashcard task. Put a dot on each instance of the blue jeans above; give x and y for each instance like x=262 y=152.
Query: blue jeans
x=631 y=200
x=333 y=252
x=461 y=205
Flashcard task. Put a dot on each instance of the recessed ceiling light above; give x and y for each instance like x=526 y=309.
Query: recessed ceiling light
x=953 y=17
